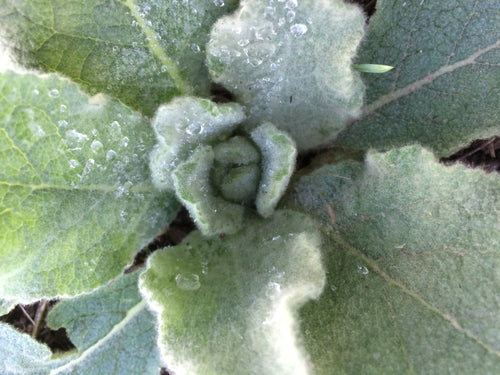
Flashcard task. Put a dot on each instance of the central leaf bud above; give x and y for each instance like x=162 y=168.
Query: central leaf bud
x=219 y=176
x=236 y=170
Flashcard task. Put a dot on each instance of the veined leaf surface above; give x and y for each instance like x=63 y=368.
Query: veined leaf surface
x=412 y=256
x=142 y=52
x=76 y=199
x=443 y=91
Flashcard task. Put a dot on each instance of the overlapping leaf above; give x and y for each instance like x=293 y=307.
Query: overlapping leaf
x=76 y=200
x=112 y=329
x=289 y=62
x=412 y=259
x=143 y=52
x=21 y=354
x=228 y=304
x=444 y=90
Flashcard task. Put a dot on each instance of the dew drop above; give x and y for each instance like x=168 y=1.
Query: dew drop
x=163 y=68
x=62 y=108
x=273 y=289
x=35 y=92
x=333 y=288
x=62 y=123
x=243 y=42
x=195 y=48
x=363 y=270
x=219 y=3
x=298 y=29
x=115 y=48
x=37 y=131
x=188 y=282
x=124 y=142
x=290 y=16
x=276 y=237
x=73 y=163
x=123 y=215
x=54 y=93
x=96 y=146
x=74 y=138
x=110 y=155
x=115 y=130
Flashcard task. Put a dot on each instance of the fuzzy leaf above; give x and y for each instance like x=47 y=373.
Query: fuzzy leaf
x=279 y=57
x=143 y=52
x=213 y=175
x=278 y=154
x=443 y=91
x=181 y=125
x=76 y=199
x=228 y=305
x=21 y=354
x=212 y=214
x=112 y=329
x=412 y=256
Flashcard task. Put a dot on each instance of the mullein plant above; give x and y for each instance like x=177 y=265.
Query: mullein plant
x=372 y=257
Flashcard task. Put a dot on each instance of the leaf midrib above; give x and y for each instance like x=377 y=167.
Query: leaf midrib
x=428 y=79
x=153 y=44
x=120 y=326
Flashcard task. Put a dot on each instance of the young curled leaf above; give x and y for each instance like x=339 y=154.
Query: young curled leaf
x=216 y=175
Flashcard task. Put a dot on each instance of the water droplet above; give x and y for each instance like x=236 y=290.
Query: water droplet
x=37 y=130
x=290 y=4
x=298 y=29
x=87 y=169
x=123 y=215
x=273 y=289
x=333 y=288
x=115 y=130
x=96 y=146
x=204 y=267
x=243 y=42
x=270 y=319
x=134 y=23
x=124 y=142
x=110 y=155
x=163 y=68
x=35 y=92
x=73 y=163
x=290 y=16
x=363 y=270
x=281 y=21
x=219 y=3
x=134 y=44
x=62 y=123
x=276 y=237
x=62 y=108
x=188 y=282
x=115 y=48
x=74 y=138
x=54 y=93
x=195 y=48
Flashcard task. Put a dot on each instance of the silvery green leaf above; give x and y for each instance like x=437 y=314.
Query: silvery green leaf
x=143 y=52
x=229 y=304
x=76 y=198
x=443 y=92
x=290 y=63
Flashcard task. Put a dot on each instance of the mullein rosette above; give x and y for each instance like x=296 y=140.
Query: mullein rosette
x=218 y=171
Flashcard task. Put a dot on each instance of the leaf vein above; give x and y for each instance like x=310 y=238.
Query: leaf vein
x=391 y=281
